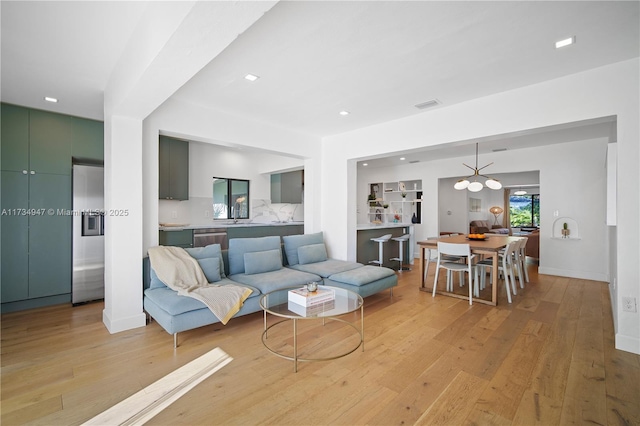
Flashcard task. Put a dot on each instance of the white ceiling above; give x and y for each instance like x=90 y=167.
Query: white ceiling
x=373 y=59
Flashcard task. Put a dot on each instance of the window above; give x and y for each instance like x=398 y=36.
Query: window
x=230 y=198
x=524 y=210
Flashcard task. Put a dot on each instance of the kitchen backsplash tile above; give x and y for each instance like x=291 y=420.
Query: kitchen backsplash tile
x=198 y=211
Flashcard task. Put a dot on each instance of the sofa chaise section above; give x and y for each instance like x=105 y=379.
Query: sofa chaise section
x=308 y=253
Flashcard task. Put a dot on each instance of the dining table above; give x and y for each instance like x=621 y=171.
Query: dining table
x=487 y=247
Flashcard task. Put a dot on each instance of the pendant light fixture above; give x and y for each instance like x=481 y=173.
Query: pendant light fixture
x=476 y=186
x=520 y=191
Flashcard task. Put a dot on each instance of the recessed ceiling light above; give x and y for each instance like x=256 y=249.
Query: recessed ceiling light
x=344 y=113
x=50 y=99
x=365 y=164
x=402 y=158
x=565 y=42
x=251 y=77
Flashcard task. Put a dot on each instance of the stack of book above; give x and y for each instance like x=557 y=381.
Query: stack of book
x=307 y=303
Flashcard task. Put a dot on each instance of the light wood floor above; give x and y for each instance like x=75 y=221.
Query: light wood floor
x=548 y=359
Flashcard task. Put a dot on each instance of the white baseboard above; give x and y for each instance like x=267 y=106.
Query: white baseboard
x=628 y=343
x=593 y=276
x=123 y=324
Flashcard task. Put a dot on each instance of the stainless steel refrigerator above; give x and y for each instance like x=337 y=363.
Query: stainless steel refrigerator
x=88 y=234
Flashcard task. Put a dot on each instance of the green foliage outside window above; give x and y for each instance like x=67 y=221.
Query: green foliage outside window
x=524 y=210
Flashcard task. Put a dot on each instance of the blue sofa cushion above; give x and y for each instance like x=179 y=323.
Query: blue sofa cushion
x=328 y=267
x=262 y=261
x=312 y=253
x=210 y=251
x=155 y=281
x=361 y=276
x=292 y=242
x=275 y=280
x=211 y=268
x=239 y=246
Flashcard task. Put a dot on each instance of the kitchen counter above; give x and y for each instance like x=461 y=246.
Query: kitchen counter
x=216 y=225
x=367 y=250
x=365 y=226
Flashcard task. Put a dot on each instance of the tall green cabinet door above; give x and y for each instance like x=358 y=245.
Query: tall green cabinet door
x=15 y=252
x=50 y=236
x=15 y=138
x=50 y=137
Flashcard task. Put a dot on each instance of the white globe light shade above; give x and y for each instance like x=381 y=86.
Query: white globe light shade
x=475 y=187
x=493 y=184
x=461 y=184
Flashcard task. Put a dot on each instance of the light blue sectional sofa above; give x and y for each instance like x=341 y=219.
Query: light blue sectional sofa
x=259 y=264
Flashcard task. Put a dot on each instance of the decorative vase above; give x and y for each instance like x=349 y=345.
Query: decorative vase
x=414 y=218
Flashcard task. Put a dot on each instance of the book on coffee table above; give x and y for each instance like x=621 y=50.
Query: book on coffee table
x=309 y=311
x=306 y=298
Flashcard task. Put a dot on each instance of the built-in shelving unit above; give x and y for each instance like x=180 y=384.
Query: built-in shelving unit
x=390 y=194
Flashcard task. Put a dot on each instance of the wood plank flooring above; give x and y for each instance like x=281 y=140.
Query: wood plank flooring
x=546 y=359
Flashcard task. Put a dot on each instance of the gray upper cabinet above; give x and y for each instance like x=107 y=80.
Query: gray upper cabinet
x=287 y=187
x=173 y=169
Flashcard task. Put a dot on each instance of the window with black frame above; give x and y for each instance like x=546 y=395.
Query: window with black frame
x=524 y=210
x=230 y=198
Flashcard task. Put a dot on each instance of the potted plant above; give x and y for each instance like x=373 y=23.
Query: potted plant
x=372 y=200
x=565 y=230
x=404 y=195
x=385 y=206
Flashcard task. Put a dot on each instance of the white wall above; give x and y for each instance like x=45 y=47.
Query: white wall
x=602 y=92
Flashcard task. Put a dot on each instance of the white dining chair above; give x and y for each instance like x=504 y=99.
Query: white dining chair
x=505 y=265
x=462 y=251
x=523 y=258
x=432 y=256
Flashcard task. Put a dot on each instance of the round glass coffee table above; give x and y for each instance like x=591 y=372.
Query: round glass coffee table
x=277 y=303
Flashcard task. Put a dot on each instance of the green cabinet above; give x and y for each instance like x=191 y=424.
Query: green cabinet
x=88 y=140
x=36 y=203
x=173 y=169
x=15 y=138
x=182 y=238
x=50 y=137
x=15 y=236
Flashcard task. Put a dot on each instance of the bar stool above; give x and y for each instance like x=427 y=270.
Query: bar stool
x=400 y=257
x=380 y=241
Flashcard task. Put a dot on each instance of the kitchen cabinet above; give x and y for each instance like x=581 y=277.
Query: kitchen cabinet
x=182 y=238
x=264 y=231
x=287 y=187
x=173 y=169
x=88 y=141
x=36 y=206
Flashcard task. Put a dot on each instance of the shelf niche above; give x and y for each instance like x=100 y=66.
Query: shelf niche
x=572 y=226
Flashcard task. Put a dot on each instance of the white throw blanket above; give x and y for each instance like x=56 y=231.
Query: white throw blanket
x=182 y=273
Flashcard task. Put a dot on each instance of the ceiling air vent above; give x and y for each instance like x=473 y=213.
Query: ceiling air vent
x=414 y=161
x=428 y=104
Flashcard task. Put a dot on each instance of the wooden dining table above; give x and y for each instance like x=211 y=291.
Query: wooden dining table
x=489 y=247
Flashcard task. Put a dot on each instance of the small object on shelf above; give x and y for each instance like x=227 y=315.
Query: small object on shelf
x=414 y=218
x=312 y=286
x=307 y=298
